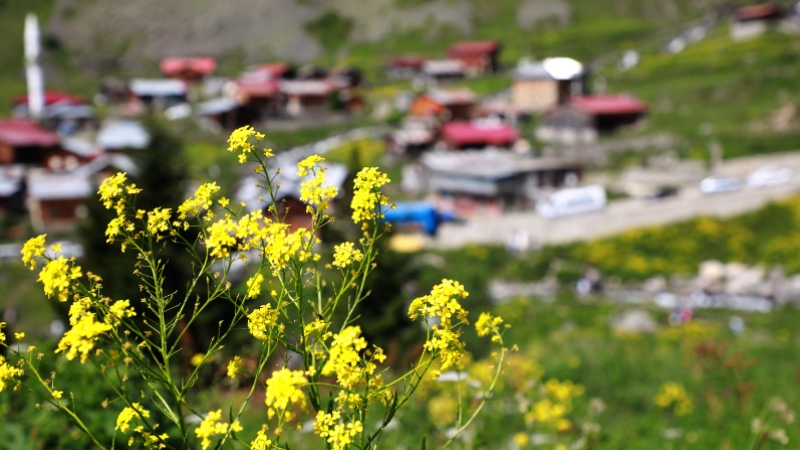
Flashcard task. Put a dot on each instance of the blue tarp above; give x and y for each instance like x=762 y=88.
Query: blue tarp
x=422 y=214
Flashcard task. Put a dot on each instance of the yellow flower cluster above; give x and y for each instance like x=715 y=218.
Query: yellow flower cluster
x=486 y=324
x=346 y=362
x=7 y=373
x=33 y=249
x=222 y=237
x=2 y=336
x=254 y=286
x=345 y=253
x=282 y=245
x=202 y=199
x=339 y=435
x=240 y=140
x=111 y=191
x=82 y=337
x=57 y=275
x=261 y=442
x=306 y=166
x=675 y=395
x=317 y=326
x=158 y=220
x=284 y=388
x=234 y=366
x=442 y=304
x=213 y=425
x=314 y=192
x=135 y=411
x=552 y=410
x=119 y=310
x=367 y=197
x=260 y=320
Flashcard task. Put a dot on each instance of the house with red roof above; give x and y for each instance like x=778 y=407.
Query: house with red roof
x=584 y=117
x=479 y=57
x=478 y=134
x=25 y=142
x=405 y=67
x=66 y=113
x=189 y=69
x=753 y=20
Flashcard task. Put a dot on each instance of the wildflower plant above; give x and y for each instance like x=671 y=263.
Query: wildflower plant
x=291 y=305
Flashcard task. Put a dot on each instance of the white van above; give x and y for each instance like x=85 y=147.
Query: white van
x=568 y=202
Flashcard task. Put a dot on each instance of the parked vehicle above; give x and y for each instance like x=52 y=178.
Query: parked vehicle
x=662 y=193
x=568 y=202
x=717 y=184
x=410 y=217
x=769 y=176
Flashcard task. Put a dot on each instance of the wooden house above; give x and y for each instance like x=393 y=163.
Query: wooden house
x=188 y=69
x=583 y=118
x=479 y=57
x=444 y=104
x=24 y=142
x=478 y=134
x=754 y=20
x=541 y=85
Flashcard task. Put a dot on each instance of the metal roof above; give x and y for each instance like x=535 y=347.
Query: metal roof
x=123 y=134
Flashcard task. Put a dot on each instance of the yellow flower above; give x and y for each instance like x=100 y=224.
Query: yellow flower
x=345 y=359
x=675 y=395
x=224 y=202
x=486 y=324
x=136 y=411
x=521 y=439
x=118 y=311
x=281 y=245
x=317 y=326
x=19 y=336
x=260 y=320
x=307 y=165
x=57 y=394
x=367 y=197
x=340 y=436
x=33 y=248
x=234 y=366
x=111 y=189
x=441 y=305
x=284 y=388
x=56 y=276
x=197 y=359
x=345 y=253
x=200 y=200
x=314 y=192
x=254 y=286
x=213 y=425
x=2 y=336
x=222 y=237
x=7 y=373
x=82 y=337
x=158 y=220
x=261 y=442
x=240 y=140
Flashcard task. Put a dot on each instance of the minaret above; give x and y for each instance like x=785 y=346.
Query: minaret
x=33 y=72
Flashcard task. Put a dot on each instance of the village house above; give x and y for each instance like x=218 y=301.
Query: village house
x=188 y=69
x=479 y=57
x=305 y=97
x=122 y=135
x=444 y=104
x=478 y=134
x=24 y=142
x=405 y=67
x=583 y=118
x=65 y=113
x=57 y=200
x=415 y=135
x=754 y=20
x=489 y=181
x=443 y=70
x=539 y=86
x=159 y=93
